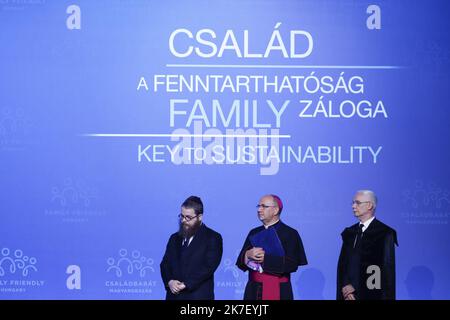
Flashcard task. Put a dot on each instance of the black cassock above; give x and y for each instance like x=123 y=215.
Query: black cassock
x=376 y=248
x=275 y=265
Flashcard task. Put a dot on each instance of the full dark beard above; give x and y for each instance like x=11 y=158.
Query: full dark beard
x=186 y=231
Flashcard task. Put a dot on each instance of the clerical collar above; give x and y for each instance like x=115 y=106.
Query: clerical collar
x=366 y=224
x=272 y=224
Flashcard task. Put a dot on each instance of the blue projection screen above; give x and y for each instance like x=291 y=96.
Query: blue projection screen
x=113 y=112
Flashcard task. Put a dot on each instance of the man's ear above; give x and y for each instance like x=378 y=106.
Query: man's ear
x=200 y=217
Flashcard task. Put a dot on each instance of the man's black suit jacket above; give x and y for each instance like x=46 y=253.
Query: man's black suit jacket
x=195 y=265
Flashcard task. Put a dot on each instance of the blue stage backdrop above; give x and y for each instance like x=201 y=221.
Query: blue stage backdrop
x=113 y=112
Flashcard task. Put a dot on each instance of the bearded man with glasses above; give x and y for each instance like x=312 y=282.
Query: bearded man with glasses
x=192 y=256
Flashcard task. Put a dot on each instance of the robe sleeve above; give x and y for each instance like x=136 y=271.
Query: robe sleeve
x=388 y=271
x=342 y=276
x=294 y=256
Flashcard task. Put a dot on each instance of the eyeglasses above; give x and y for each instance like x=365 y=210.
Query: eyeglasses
x=188 y=218
x=357 y=202
x=264 y=206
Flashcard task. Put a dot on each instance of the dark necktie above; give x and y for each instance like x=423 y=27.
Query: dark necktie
x=185 y=244
x=359 y=235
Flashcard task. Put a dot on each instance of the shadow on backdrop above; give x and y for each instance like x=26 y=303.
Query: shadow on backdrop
x=419 y=283
x=310 y=285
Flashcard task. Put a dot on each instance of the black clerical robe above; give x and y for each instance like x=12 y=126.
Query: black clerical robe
x=377 y=248
x=281 y=266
